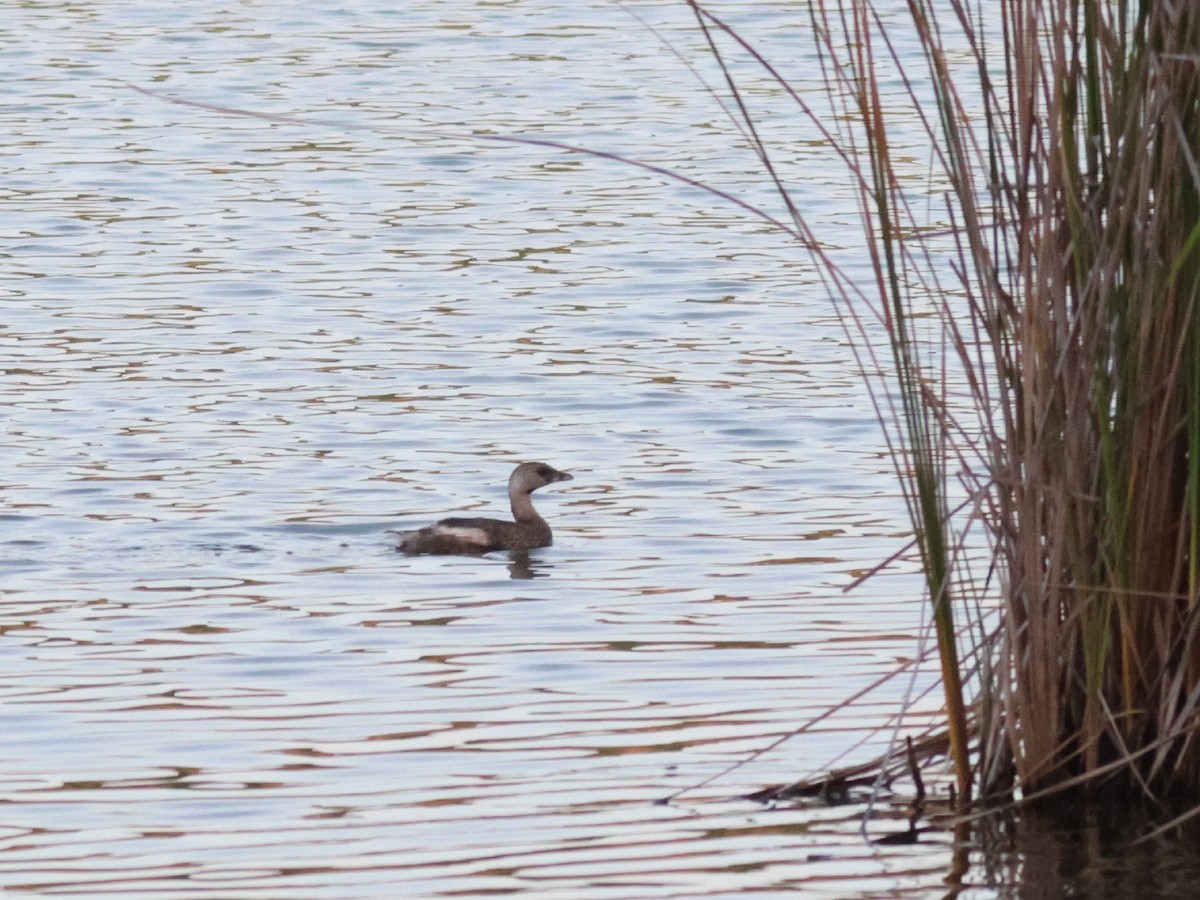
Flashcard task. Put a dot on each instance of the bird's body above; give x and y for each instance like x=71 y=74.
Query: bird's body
x=462 y=535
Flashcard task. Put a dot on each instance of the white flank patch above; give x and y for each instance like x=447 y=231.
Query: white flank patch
x=476 y=536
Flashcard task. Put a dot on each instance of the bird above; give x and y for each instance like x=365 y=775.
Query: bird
x=476 y=536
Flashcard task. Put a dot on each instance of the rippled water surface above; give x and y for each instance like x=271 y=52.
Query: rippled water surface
x=238 y=352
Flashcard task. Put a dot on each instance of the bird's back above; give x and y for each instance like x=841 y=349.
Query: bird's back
x=476 y=535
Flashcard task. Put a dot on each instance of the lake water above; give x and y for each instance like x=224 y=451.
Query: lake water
x=238 y=352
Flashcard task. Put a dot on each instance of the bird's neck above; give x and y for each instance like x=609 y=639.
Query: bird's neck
x=522 y=507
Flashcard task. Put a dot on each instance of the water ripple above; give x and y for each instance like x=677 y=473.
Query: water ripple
x=239 y=353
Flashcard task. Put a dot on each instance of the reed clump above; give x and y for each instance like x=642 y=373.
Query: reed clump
x=1094 y=475
x=1057 y=411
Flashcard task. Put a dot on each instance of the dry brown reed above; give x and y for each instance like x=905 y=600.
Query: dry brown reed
x=1064 y=403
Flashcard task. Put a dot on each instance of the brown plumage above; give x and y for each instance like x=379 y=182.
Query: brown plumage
x=473 y=536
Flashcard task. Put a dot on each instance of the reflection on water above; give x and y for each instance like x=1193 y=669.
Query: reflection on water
x=1101 y=851
x=521 y=567
x=238 y=353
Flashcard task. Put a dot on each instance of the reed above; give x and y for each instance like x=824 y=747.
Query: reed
x=1057 y=412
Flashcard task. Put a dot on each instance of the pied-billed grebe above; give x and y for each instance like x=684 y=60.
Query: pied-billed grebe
x=475 y=536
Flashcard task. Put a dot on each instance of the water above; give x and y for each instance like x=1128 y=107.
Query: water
x=237 y=353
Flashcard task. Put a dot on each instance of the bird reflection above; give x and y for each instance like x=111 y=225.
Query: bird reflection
x=521 y=567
